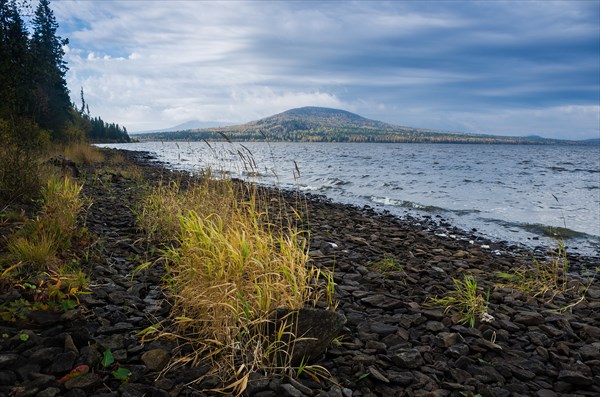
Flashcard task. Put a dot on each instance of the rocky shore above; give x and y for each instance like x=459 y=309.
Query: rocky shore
x=394 y=343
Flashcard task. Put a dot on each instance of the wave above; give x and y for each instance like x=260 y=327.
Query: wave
x=405 y=204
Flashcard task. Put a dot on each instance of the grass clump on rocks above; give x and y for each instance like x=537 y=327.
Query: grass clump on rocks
x=466 y=300
x=229 y=269
x=37 y=258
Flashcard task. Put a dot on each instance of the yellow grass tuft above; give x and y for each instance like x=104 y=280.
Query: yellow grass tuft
x=228 y=270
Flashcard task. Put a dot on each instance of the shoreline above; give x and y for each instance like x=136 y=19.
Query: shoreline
x=394 y=343
x=485 y=219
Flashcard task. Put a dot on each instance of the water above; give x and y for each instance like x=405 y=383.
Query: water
x=506 y=192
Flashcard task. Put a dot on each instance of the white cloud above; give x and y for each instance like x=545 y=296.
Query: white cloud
x=151 y=65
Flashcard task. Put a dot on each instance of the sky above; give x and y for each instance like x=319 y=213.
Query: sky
x=495 y=67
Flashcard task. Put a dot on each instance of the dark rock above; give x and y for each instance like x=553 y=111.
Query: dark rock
x=8 y=378
x=458 y=350
x=529 y=318
x=48 y=392
x=383 y=302
x=85 y=381
x=383 y=329
x=590 y=352
x=298 y=385
x=316 y=327
x=434 y=326
x=546 y=393
x=45 y=356
x=290 y=391
x=63 y=363
x=44 y=317
x=8 y=360
x=90 y=356
x=410 y=358
x=23 y=371
x=574 y=377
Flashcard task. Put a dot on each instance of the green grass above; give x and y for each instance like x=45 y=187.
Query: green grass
x=545 y=278
x=465 y=299
x=386 y=265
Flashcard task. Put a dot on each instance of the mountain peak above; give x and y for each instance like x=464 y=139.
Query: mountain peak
x=315 y=111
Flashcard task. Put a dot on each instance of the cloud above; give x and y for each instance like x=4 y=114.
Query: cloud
x=449 y=65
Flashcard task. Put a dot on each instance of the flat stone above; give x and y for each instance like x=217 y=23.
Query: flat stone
x=378 y=375
x=84 y=381
x=383 y=329
x=7 y=360
x=590 y=352
x=458 y=350
x=546 y=393
x=410 y=358
x=447 y=339
x=156 y=359
x=382 y=301
x=434 y=326
x=529 y=318
x=574 y=378
x=48 y=392
x=45 y=355
x=290 y=391
x=400 y=378
x=63 y=363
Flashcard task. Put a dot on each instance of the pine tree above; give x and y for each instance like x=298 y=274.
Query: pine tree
x=51 y=93
x=15 y=63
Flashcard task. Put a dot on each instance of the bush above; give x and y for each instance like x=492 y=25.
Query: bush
x=19 y=160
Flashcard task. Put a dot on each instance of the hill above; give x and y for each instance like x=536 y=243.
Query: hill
x=317 y=124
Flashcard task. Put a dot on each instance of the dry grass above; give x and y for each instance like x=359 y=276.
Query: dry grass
x=83 y=153
x=228 y=271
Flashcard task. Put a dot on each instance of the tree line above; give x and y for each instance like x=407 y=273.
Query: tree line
x=35 y=107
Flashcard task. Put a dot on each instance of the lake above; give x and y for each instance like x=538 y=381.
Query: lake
x=516 y=193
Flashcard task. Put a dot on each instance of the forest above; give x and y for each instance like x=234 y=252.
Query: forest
x=36 y=112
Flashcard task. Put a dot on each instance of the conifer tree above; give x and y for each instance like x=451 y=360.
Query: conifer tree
x=51 y=95
x=15 y=64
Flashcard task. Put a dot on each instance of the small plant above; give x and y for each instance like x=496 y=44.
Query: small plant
x=466 y=299
x=387 y=264
x=545 y=278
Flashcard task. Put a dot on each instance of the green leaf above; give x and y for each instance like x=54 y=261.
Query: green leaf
x=122 y=374
x=24 y=337
x=107 y=359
